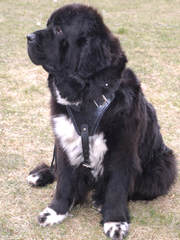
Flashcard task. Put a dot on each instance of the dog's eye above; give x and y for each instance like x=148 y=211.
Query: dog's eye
x=58 y=30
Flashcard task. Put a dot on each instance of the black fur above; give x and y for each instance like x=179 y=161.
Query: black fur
x=81 y=59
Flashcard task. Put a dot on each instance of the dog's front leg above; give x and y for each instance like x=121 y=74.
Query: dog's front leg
x=115 y=209
x=63 y=198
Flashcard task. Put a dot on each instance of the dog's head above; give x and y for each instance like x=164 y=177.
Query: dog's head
x=75 y=48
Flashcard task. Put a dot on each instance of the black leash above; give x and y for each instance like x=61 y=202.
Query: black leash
x=54 y=157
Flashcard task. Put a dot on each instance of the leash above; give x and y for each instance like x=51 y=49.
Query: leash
x=53 y=158
x=86 y=120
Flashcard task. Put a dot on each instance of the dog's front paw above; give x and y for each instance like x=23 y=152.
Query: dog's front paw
x=50 y=217
x=116 y=230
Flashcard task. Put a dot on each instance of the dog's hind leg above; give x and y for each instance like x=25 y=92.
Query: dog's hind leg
x=157 y=177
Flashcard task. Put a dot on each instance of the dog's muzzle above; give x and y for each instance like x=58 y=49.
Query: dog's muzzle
x=31 y=38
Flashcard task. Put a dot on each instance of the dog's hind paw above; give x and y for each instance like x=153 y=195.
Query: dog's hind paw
x=50 y=217
x=116 y=230
x=33 y=179
x=41 y=176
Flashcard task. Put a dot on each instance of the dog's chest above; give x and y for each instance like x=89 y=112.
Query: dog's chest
x=71 y=143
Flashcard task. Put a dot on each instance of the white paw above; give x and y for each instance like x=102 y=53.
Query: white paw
x=49 y=217
x=116 y=230
x=33 y=179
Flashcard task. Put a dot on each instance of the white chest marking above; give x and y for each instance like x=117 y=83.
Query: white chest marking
x=71 y=143
x=62 y=100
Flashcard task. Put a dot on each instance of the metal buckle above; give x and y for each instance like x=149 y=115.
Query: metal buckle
x=95 y=103
x=105 y=99
x=100 y=105
x=86 y=165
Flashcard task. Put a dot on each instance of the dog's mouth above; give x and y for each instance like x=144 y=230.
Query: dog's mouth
x=36 y=56
x=48 y=68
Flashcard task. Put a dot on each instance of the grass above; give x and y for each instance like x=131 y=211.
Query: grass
x=149 y=32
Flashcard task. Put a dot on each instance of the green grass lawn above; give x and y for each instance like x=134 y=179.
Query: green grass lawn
x=149 y=32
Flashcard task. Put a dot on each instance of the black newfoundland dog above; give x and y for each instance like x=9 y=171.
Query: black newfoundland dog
x=107 y=136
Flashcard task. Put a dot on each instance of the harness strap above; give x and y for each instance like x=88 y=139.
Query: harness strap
x=86 y=122
x=85 y=144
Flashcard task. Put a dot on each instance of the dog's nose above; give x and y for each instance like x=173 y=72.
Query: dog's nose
x=31 y=37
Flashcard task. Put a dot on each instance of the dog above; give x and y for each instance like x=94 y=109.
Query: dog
x=107 y=137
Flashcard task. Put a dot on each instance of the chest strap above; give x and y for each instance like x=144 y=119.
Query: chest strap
x=86 y=121
x=85 y=144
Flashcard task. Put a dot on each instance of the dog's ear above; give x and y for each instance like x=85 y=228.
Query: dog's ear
x=98 y=54
x=95 y=55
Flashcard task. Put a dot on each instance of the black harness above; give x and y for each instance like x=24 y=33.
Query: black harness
x=86 y=119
